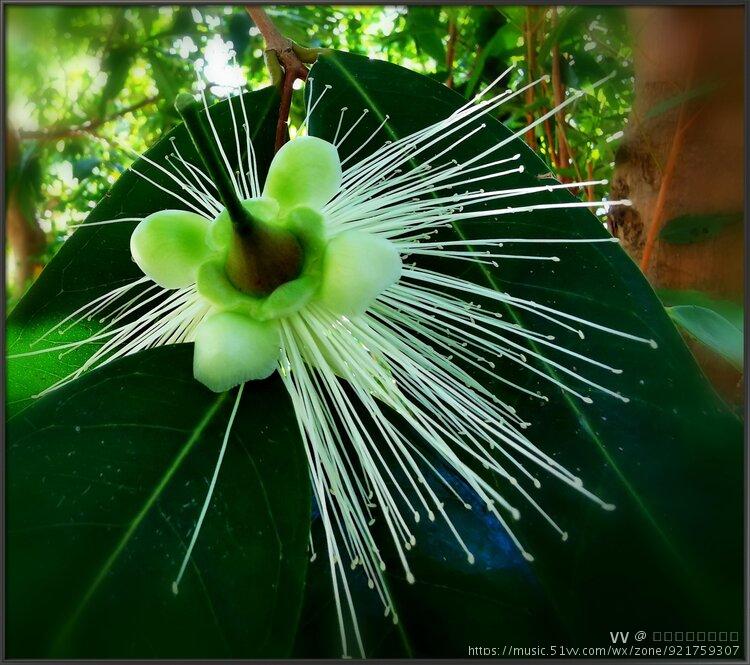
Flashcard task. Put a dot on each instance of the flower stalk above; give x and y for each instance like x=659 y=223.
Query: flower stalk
x=261 y=258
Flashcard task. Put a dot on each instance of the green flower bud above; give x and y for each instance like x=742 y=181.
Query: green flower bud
x=170 y=245
x=305 y=172
x=357 y=267
x=231 y=348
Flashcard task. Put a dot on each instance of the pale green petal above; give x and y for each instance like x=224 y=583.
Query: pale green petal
x=357 y=267
x=308 y=227
x=170 y=245
x=231 y=348
x=305 y=172
x=288 y=298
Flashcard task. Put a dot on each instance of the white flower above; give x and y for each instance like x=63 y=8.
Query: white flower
x=397 y=337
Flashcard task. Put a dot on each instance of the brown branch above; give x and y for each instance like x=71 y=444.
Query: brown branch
x=666 y=181
x=683 y=123
x=89 y=127
x=283 y=51
x=450 y=51
x=558 y=92
x=531 y=66
x=549 y=134
x=24 y=236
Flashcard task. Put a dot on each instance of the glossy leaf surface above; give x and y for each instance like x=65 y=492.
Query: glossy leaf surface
x=669 y=556
x=106 y=479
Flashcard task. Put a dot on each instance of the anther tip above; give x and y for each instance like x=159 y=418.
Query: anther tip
x=564 y=536
x=609 y=507
x=410 y=578
x=175 y=588
x=470 y=558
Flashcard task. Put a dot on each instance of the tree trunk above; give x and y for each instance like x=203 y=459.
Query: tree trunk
x=688 y=159
x=25 y=237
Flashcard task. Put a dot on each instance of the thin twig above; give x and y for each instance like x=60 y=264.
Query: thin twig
x=531 y=66
x=86 y=127
x=666 y=181
x=554 y=160
x=450 y=51
x=558 y=93
x=283 y=50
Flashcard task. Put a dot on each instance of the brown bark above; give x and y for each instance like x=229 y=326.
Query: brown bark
x=687 y=160
x=450 y=51
x=25 y=237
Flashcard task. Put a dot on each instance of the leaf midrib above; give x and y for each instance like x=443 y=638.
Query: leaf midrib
x=139 y=517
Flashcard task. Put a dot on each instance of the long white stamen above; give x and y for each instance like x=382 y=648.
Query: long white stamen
x=209 y=494
x=351 y=129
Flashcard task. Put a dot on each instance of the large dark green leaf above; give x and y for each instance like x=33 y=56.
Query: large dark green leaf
x=97 y=259
x=670 y=556
x=107 y=475
x=106 y=478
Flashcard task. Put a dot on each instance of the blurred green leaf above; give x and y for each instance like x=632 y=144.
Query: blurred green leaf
x=82 y=168
x=165 y=78
x=694 y=228
x=676 y=100
x=116 y=64
x=712 y=330
x=239 y=27
x=502 y=45
x=424 y=27
x=717 y=324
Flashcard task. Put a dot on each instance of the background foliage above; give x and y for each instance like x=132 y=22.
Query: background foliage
x=89 y=84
